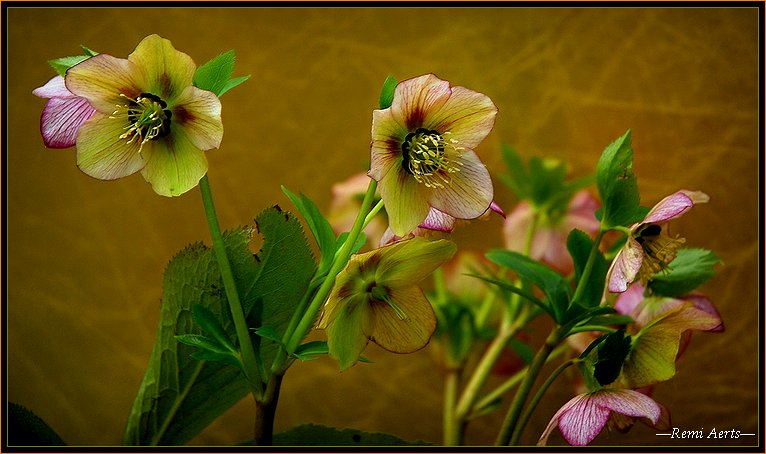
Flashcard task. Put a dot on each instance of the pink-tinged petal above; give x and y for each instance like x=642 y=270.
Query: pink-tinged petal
x=61 y=120
x=674 y=206
x=469 y=117
x=102 y=154
x=167 y=72
x=54 y=88
x=583 y=422
x=198 y=112
x=625 y=266
x=470 y=192
x=386 y=147
x=405 y=204
x=175 y=167
x=702 y=303
x=101 y=80
x=436 y=220
x=402 y=335
x=417 y=98
x=496 y=208
x=627 y=302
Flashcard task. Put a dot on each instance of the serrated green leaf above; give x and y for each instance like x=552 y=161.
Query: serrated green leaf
x=211 y=325
x=61 y=65
x=215 y=75
x=387 y=93
x=320 y=227
x=616 y=183
x=580 y=245
x=27 y=429
x=690 y=269
x=316 y=435
x=88 y=52
x=233 y=83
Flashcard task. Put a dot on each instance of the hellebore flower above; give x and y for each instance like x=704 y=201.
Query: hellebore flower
x=581 y=419
x=649 y=248
x=376 y=298
x=149 y=117
x=549 y=243
x=63 y=114
x=422 y=152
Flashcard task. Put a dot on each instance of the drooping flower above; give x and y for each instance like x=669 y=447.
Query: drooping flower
x=549 y=243
x=649 y=248
x=149 y=117
x=63 y=114
x=581 y=419
x=422 y=152
x=376 y=297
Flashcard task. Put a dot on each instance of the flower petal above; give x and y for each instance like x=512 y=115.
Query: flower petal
x=405 y=204
x=386 y=147
x=167 y=72
x=345 y=332
x=175 y=166
x=403 y=335
x=61 y=120
x=674 y=206
x=625 y=266
x=54 y=88
x=470 y=192
x=583 y=422
x=198 y=112
x=469 y=117
x=417 y=98
x=101 y=80
x=436 y=220
x=410 y=261
x=102 y=154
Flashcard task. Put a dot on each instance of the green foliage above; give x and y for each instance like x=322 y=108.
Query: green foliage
x=617 y=185
x=61 y=65
x=215 y=75
x=316 y=435
x=387 y=93
x=27 y=429
x=611 y=355
x=320 y=227
x=690 y=269
x=455 y=326
x=310 y=350
x=580 y=246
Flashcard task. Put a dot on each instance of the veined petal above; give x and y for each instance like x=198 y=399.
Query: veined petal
x=61 y=120
x=625 y=266
x=345 y=334
x=436 y=220
x=674 y=206
x=54 y=88
x=468 y=115
x=102 y=154
x=402 y=335
x=198 y=112
x=101 y=80
x=386 y=147
x=416 y=98
x=469 y=194
x=410 y=261
x=167 y=72
x=176 y=165
x=405 y=204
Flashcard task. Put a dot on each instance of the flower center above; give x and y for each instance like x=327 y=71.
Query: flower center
x=659 y=250
x=147 y=116
x=380 y=294
x=429 y=157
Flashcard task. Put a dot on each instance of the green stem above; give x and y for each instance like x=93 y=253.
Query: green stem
x=514 y=411
x=372 y=213
x=249 y=363
x=265 y=411
x=452 y=424
x=536 y=400
x=340 y=261
x=588 y=266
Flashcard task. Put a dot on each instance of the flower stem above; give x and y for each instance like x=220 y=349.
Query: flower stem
x=588 y=266
x=249 y=364
x=514 y=411
x=453 y=433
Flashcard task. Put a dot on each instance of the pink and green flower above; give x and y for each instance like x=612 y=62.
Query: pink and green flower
x=423 y=152
x=63 y=114
x=649 y=247
x=148 y=117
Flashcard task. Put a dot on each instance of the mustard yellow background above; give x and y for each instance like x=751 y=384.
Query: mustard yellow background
x=85 y=257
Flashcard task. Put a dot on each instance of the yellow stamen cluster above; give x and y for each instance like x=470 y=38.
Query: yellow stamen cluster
x=430 y=157
x=659 y=250
x=146 y=117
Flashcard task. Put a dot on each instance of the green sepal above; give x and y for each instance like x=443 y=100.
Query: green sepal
x=387 y=93
x=319 y=226
x=690 y=269
x=617 y=185
x=215 y=75
x=209 y=323
x=580 y=245
x=310 y=350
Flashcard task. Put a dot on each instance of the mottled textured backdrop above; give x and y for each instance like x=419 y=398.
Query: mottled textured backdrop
x=85 y=257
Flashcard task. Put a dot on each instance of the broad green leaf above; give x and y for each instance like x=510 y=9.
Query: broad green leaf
x=27 y=429
x=61 y=65
x=316 y=435
x=580 y=245
x=320 y=227
x=690 y=269
x=387 y=93
x=617 y=186
x=180 y=395
x=215 y=75
x=549 y=281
